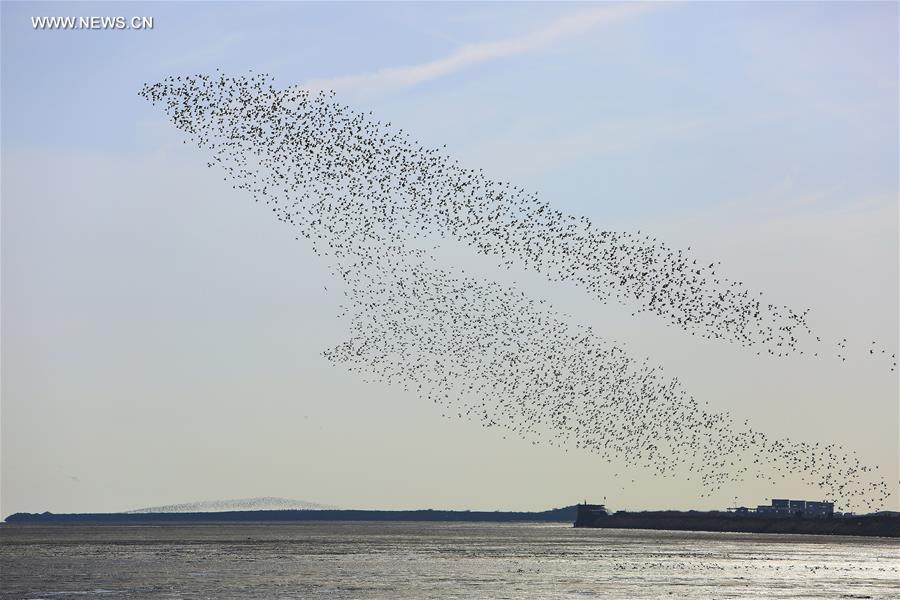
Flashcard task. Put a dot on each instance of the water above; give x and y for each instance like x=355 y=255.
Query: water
x=435 y=560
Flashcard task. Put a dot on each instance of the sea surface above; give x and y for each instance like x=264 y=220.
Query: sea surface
x=434 y=560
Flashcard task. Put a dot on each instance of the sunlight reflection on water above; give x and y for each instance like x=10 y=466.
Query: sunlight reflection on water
x=447 y=560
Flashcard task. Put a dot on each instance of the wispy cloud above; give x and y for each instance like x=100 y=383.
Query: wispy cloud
x=472 y=54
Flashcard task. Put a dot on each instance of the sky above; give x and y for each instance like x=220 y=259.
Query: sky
x=162 y=336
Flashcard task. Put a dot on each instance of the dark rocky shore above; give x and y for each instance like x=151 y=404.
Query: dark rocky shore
x=864 y=525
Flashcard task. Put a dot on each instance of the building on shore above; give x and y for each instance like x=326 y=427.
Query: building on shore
x=797 y=508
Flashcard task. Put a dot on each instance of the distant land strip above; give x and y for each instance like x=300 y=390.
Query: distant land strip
x=878 y=525
x=556 y=515
x=874 y=525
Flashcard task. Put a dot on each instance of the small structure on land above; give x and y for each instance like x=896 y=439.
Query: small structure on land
x=797 y=508
x=586 y=514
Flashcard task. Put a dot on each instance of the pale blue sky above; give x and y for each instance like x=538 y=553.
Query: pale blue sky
x=146 y=359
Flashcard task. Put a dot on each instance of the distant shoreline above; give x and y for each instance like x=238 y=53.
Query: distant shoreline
x=557 y=515
x=712 y=521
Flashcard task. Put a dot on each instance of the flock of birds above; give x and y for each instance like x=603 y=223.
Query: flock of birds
x=378 y=204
